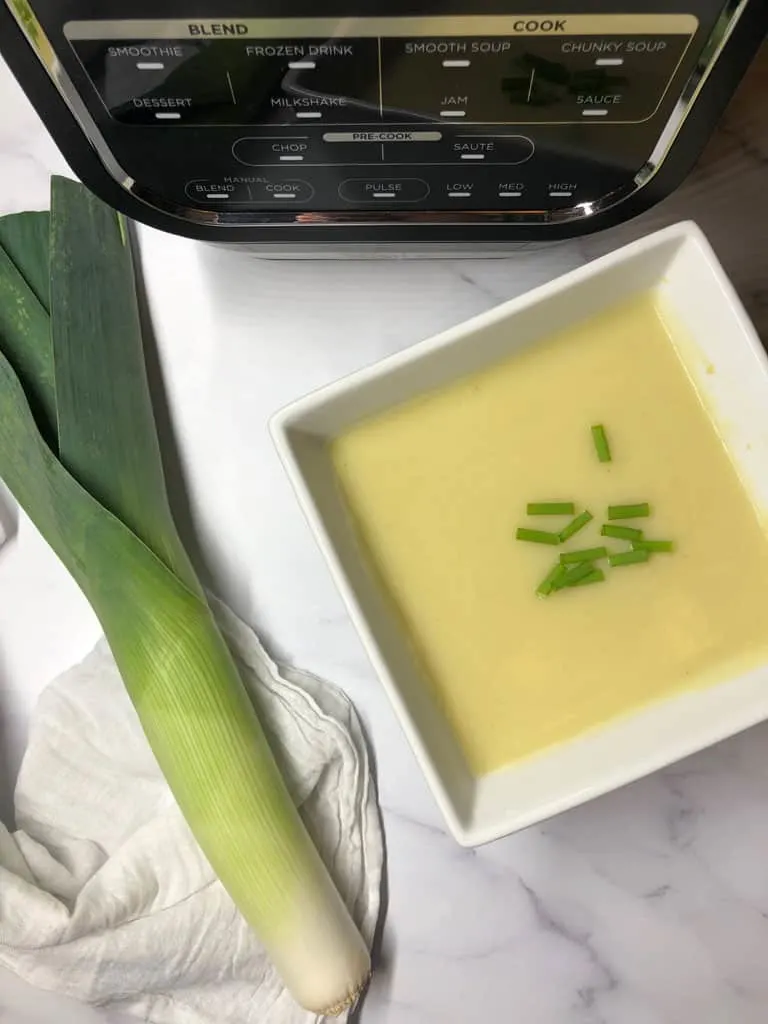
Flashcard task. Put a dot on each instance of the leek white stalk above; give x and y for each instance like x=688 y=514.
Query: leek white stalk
x=79 y=450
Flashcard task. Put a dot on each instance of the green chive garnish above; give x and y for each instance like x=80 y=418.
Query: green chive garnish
x=551 y=508
x=538 y=536
x=575 y=525
x=621 y=532
x=627 y=558
x=596 y=576
x=552 y=580
x=560 y=581
x=586 y=555
x=653 y=545
x=600 y=441
x=578 y=572
x=638 y=511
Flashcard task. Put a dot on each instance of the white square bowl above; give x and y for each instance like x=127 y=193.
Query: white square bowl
x=680 y=266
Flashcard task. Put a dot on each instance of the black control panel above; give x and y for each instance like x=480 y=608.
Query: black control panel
x=388 y=122
x=406 y=114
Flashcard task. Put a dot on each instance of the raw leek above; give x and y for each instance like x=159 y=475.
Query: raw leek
x=79 y=450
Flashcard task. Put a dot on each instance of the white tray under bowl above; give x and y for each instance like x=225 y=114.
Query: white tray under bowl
x=681 y=267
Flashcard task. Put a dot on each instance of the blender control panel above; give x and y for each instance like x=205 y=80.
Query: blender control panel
x=419 y=113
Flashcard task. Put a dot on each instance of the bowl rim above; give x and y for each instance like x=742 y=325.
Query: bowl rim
x=281 y=420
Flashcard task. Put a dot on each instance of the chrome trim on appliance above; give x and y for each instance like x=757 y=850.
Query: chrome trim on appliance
x=711 y=51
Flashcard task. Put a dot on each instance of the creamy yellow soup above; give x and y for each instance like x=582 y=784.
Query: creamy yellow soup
x=438 y=486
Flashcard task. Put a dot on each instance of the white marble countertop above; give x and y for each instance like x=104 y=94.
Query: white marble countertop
x=648 y=906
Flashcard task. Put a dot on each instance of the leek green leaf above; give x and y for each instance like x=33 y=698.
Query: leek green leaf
x=25 y=236
x=25 y=330
x=106 y=427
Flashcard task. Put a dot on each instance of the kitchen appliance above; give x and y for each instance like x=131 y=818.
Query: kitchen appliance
x=302 y=125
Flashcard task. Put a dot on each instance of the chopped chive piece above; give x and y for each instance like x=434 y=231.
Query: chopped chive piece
x=578 y=572
x=629 y=511
x=537 y=536
x=586 y=555
x=551 y=508
x=560 y=581
x=596 y=576
x=627 y=558
x=552 y=580
x=575 y=525
x=600 y=440
x=653 y=545
x=621 y=532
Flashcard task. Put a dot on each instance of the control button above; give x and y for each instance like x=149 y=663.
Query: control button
x=146 y=109
x=464 y=147
x=257 y=150
x=459 y=189
x=278 y=192
x=561 y=194
x=463 y=191
x=492 y=149
x=510 y=189
x=380 y=190
x=599 y=103
x=293 y=148
x=218 y=192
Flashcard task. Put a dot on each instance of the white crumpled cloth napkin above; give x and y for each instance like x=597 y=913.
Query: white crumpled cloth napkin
x=104 y=894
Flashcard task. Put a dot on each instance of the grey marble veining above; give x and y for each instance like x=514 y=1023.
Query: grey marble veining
x=648 y=906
